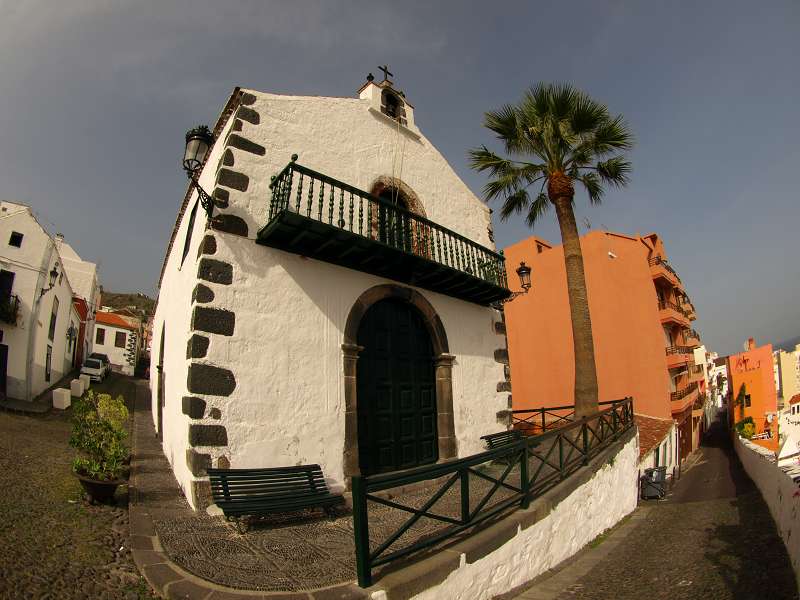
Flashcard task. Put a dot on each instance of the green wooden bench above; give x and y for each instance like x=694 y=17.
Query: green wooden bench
x=501 y=438
x=242 y=493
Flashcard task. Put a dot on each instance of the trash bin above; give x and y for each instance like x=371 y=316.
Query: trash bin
x=654 y=483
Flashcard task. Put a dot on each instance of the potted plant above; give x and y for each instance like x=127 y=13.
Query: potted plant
x=98 y=434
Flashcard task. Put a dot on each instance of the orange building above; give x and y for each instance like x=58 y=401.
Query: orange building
x=753 y=393
x=641 y=324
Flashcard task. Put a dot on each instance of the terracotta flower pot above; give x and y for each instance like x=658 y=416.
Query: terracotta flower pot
x=99 y=491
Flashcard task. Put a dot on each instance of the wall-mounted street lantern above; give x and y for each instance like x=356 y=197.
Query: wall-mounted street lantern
x=198 y=142
x=53 y=277
x=524 y=273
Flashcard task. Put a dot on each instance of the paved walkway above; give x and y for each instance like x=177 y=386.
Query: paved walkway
x=713 y=537
x=183 y=553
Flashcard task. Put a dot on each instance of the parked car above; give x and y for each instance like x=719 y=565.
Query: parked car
x=103 y=358
x=94 y=368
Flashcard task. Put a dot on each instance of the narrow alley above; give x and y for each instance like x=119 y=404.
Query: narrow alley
x=712 y=537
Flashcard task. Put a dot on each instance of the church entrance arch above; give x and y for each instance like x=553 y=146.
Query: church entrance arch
x=398 y=383
x=396 y=390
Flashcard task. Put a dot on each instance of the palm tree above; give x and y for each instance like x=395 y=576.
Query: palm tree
x=554 y=137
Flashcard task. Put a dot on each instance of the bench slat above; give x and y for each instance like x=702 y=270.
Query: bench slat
x=241 y=492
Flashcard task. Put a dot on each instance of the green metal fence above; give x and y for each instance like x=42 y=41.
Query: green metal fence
x=463 y=493
x=533 y=421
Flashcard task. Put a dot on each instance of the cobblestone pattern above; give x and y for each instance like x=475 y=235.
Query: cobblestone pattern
x=52 y=543
x=713 y=538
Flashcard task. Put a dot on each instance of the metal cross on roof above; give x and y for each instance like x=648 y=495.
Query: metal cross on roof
x=386 y=72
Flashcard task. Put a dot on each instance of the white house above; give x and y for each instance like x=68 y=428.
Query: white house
x=119 y=339
x=85 y=282
x=38 y=323
x=335 y=309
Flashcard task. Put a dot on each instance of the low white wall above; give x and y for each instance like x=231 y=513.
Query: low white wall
x=591 y=509
x=778 y=491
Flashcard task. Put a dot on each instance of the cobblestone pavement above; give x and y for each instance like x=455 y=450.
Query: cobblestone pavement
x=712 y=538
x=52 y=543
x=296 y=552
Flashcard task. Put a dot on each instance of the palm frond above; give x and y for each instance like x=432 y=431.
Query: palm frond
x=614 y=171
x=515 y=203
x=537 y=209
x=591 y=181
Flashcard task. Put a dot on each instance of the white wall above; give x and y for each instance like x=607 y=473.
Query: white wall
x=285 y=353
x=592 y=508
x=31 y=264
x=778 y=491
x=115 y=355
x=667 y=456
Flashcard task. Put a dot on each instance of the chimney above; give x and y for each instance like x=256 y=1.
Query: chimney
x=59 y=240
x=751 y=344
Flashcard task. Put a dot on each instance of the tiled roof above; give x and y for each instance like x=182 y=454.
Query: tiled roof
x=107 y=318
x=651 y=432
x=795 y=399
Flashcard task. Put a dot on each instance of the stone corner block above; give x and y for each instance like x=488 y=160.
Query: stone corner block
x=213 y=320
x=215 y=271
x=193 y=407
x=208 y=379
x=208 y=435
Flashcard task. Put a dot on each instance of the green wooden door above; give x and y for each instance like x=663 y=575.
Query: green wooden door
x=396 y=390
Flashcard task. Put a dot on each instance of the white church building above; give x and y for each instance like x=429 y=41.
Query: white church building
x=336 y=307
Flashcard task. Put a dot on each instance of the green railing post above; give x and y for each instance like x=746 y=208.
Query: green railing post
x=561 y=454
x=361 y=532
x=543 y=427
x=524 y=482
x=585 y=433
x=464 y=475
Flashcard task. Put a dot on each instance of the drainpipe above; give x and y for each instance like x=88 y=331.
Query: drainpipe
x=33 y=324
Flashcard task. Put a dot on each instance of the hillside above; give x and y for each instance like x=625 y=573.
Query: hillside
x=140 y=302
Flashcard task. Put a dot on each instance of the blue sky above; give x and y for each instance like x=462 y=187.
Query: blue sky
x=97 y=96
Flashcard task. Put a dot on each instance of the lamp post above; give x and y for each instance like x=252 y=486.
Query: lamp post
x=524 y=273
x=53 y=276
x=198 y=142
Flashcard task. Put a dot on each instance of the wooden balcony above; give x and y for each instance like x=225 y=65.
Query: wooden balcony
x=669 y=312
x=661 y=269
x=317 y=216
x=684 y=397
x=677 y=356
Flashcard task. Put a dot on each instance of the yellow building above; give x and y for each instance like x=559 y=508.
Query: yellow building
x=788 y=373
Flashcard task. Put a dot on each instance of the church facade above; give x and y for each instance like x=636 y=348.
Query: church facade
x=336 y=306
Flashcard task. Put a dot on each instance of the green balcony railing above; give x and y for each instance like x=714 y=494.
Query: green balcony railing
x=346 y=220
x=465 y=492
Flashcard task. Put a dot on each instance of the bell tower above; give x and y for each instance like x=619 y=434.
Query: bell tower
x=387 y=100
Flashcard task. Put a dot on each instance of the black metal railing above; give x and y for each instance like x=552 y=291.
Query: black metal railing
x=679 y=350
x=9 y=308
x=533 y=421
x=683 y=392
x=657 y=260
x=316 y=196
x=468 y=491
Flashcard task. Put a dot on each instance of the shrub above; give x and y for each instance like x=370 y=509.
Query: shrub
x=98 y=434
x=746 y=427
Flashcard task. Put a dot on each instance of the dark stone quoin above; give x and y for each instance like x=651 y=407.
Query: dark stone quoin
x=213 y=320
x=208 y=435
x=208 y=379
x=193 y=407
x=202 y=294
x=215 y=271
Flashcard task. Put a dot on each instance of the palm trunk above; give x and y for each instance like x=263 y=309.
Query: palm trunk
x=585 y=369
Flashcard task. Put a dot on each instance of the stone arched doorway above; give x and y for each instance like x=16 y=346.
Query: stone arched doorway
x=403 y=301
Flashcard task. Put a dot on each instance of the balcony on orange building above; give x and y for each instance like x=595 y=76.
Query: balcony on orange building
x=678 y=356
x=661 y=269
x=683 y=397
x=671 y=313
x=692 y=338
x=696 y=373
